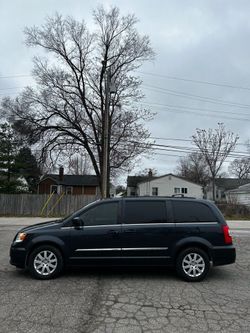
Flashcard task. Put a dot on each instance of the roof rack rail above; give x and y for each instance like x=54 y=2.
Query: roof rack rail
x=181 y=196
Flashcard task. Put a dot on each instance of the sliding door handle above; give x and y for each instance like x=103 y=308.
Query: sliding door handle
x=113 y=232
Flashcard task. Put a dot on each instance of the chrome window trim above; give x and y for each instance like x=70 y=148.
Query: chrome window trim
x=122 y=257
x=123 y=249
x=121 y=224
x=196 y=223
x=150 y=224
x=94 y=226
x=143 y=224
x=100 y=249
x=102 y=225
x=144 y=248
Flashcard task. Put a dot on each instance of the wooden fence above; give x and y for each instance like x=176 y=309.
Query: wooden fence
x=42 y=204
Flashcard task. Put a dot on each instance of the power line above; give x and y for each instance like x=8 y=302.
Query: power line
x=195 y=97
x=168 y=91
x=11 y=93
x=192 y=108
x=185 y=149
x=171 y=77
x=11 y=88
x=180 y=156
x=195 y=81
x=14 y=76
x=206 y=115
x=187 y=140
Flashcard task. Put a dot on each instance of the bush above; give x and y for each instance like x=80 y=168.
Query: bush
x=231 y=210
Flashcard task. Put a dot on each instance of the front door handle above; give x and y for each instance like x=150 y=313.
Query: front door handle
x=130 y=231
x=113 y=232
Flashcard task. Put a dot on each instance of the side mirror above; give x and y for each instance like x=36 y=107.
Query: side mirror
x=77 y=222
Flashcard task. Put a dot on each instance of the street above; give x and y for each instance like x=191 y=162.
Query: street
x=125 y=300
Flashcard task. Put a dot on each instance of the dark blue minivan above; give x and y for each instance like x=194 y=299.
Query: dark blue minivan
x=183 y=232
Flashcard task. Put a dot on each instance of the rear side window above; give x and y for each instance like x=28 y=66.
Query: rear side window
x=144 y=212
x=185 y=211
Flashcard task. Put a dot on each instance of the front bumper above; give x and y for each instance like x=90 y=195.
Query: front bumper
x=18 y=256
x=223 y=255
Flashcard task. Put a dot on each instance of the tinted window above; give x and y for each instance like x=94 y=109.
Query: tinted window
x=192 y=212
x=103 y=214
x=145 y=212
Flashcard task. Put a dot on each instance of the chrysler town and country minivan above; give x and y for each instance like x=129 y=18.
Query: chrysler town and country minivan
x=186 y=233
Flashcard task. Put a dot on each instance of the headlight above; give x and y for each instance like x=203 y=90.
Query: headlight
x=21 y=236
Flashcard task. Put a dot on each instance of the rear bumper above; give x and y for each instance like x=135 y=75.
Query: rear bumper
x=223 y=255
x=18 y=256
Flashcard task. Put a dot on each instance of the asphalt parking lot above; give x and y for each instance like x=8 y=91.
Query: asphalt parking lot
x=121 y=300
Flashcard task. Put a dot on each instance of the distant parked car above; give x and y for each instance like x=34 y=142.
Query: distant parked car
x=186 y=233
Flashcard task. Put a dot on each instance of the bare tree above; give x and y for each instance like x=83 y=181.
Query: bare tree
x=215 y=146
x=79 y=164
x=240 y=168
x=66 y=109
x=194 y=168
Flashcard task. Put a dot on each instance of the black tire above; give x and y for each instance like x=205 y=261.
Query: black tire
x=45 y=262
x=193 y=264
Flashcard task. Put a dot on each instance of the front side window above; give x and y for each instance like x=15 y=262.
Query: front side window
x=102 y=214
x=155 y=191
x=184 y=190
x=144 y=212
x=191 y=211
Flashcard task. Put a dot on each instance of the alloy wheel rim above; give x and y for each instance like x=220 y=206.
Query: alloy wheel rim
x=193 y=264
x=45 y=262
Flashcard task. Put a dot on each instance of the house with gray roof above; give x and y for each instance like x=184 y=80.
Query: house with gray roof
x=222 y=185
x=166 y=185
x=240 y=195
x=68 y=184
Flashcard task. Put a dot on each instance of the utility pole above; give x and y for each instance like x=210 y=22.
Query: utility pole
x=109 y=89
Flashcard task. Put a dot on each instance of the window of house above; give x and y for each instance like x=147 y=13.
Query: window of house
x=184 y=190
x=102 y=214
x=54 y=189
x=145 y=211
x=69 y=190
x=177 y=190
x=154 y=190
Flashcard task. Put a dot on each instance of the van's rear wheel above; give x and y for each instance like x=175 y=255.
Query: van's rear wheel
x=45 y=262
x=193 y=264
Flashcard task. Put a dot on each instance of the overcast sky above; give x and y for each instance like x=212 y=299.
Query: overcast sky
x=204 y=41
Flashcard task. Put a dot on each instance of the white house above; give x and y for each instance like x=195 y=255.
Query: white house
x=240 y=195
x=166 y=185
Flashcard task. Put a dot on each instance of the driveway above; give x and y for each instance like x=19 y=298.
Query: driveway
x=125 y=301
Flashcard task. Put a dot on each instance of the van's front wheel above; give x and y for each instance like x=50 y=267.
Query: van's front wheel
x=45 y=262
x=193 y=264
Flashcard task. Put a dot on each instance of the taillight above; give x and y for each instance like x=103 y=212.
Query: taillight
x=227 y=237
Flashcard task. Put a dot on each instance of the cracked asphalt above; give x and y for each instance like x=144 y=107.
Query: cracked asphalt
x=118 y=300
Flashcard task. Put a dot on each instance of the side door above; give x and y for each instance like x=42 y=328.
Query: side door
x=98 y=240
x=147 y=233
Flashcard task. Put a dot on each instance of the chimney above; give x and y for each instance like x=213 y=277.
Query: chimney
x=150 y=173
x=61 y=173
